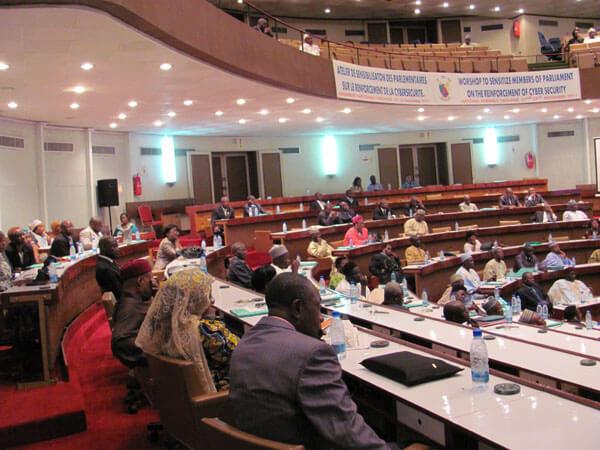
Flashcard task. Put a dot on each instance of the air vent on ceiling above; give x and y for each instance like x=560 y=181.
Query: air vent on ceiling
x=154 y=151
x=566 y=133
x=366 y=147
x=496 y=26
x=466 y=29
x=12 y=142
x=289 y=150
x=318 y=32
x=103 y=150
x=547 y=23
x=58 y=146
x=279 y=30
x=584 y=25
x=354 y=32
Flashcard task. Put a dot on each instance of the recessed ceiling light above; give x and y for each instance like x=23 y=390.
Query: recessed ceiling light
x=306 y=111
x=421 y=110
x=346 y=110
x=520 y=10
x=445 y=5
x=3 y=66
x=506 y=117
x=544 y=110
x=497 y=8
x=166 y=66
x=241 y=101
x=219 y=113
x=579 y=116
x=113 y=125
x=471 y=7
x=122 y=116
x=556 y=116
x=486 y=110
x=417 y=11
x=571 y=109
x=13 y=105
x=132 y=103
x=87 y=66
x=420 y=118
x=188 y=102
x=516 y=110
x=282 y=120
x=240 y=1
x=418 y=2
x=74 y=105
x=158 y=123
x=595 y=110
x=588 y=102
x=479 y=117
x=263 y=112
x=451 y=118
x=242 y=121
x=327 y=10
x=79 y=89
x=290 y=100
x=171 y=114
x=320 y=119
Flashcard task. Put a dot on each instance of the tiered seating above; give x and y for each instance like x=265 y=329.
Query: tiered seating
x=585 y=56
x=421 y=57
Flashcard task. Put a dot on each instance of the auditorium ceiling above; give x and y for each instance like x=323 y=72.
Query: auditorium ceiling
x=46 y=48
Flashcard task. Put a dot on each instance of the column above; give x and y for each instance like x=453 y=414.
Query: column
x=40 y=167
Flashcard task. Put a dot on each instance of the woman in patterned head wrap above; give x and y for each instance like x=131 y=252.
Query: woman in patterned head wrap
x=175 y=326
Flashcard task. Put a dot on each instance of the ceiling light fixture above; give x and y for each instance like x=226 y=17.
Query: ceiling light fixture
x=263 y=112
x=320 y=119
x=87 y=66
x=506 y=117
x=421 y=110
x=417 y=11
x=516 y=110
x=420 y=118
x=132 y=103
x=571 y=109
x=188 y=102
x=171 y=114
x=471 y=7
x=445 y=5
x=595 y=110
x=520 y=11
x=327 y=10
x=3 y=66
x=451 y=118
x=479 y=117
x=158 y=123
x=242 y=121
x=241 y=101
x=418 y=2
x=306 y=111
x=113 y=125
x=13 y=105
x=497 y=9
x=166 y=66
x=122 y=116
x=290 y=100
x=588 y=102
x=79 y=89
x=282 y=120
x=346 y=110
x=544 y=110
x=74 y=105
x=579 y=117
x=556 y=117
x=486 y=110
x=219 y=113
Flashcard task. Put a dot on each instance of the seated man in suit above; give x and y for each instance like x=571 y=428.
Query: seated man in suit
x=286 y=384
x=328 y=216
x=318 y=204
x=238 y=271
x=526 y=259
x=222 y=211
x=252 y=208
x=466 y=205
x=383 y=264
x=90 y=236
x=63 y=241
x=531 y=294
x=108 y=272
x=346 y=213
x=349 y=199
x=533 y=198
x=414 y=204
x=509 y=199
x=18 y=252
x=383 y=211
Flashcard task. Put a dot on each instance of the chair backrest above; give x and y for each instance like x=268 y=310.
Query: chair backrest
x=465 y=65
x=482 y=66
x=145 y=213
x=175 y=383
x=561 y=238
x=510 y=222
x=430 y=65
x=503 y=65
x=542 y=39
x=109 y=302
x=440 y=229
x=221 y=436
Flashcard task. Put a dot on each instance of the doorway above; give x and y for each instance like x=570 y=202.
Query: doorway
x=235 y=175
x=202 y=186
x=462 y=170
x=271 y=172
x=377 y=32
x=425 y=163
x=388 y=167
x=451 y=31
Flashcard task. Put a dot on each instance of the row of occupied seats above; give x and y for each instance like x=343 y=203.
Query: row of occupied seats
x=585 y=56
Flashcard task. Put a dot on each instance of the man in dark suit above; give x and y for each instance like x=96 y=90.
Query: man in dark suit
x=62 y=242
x=238 y=271
x=349 y=199
x=531 y=294
x=383 y=264
x=345 y=213
x=286 y=384
x=382 y=211
x=108 y=272
x=328 y=216
x=318 y=204
x=222 y=211
x=414 y=204
x=252 y=208
x=18 y=252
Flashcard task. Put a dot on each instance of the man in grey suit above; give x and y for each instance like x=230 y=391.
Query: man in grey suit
x=286 y=384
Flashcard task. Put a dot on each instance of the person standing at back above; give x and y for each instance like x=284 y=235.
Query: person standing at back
x=374 y=186
x=286 y=384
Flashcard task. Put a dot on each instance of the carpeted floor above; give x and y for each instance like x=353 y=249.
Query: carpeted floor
x=103 y=383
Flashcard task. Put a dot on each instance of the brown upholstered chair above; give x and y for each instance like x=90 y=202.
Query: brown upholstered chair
x=184 y=393
x=221 y=436
x=518 y=65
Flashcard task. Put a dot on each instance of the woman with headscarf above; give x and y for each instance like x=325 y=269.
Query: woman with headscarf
x=176 y=326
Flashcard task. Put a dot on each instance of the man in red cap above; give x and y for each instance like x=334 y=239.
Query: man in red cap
x=131 y=311
x=358 y=234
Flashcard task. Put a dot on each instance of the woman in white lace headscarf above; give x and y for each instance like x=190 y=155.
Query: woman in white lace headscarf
x=175 y=326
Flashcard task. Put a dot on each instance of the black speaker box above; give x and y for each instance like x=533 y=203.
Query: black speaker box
x=108 y=193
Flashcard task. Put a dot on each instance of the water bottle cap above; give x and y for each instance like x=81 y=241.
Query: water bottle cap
x=477 y=332
x=336 y=314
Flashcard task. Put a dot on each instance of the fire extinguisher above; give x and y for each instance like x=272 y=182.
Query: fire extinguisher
x=530 y=160
x=137 y=185
x=517 y=28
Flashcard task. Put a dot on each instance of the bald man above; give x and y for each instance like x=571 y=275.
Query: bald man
x=393 y=295
x=90 y=236
x=456 y=312
x=509 y=199
x=62 y=241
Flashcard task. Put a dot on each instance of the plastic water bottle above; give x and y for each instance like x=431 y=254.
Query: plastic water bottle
x=594 y=235
x=338 y=340
x=508 y=313
x=137 y=235
x=442 y=256
x=284 y=227
x=203 y=245
x=545 y=312
x=202 y=264
x=425 y=298
x=301 y=206
x=480 y=369
x=574 y=261
x=79 y=248
x=404 y=288
x=588 y=320
x=497 y=293
x=515 y=305
x=495 y=244
x=386 y=235
x=536 y=268
x=518 y=308
x=52 y=273
x=353 y=296
x=550 y=238
x=217 y=241
x=366 y=201
x=303 y=223
x=389 y=215
x=72 y=252
x=277 y=210
x=540 y=310
x=455 y=226
x=350 y=243
x=427 y=258
x=322 y=288
x=393 y=278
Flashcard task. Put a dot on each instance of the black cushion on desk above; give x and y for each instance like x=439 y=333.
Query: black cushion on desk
x=409 y=368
